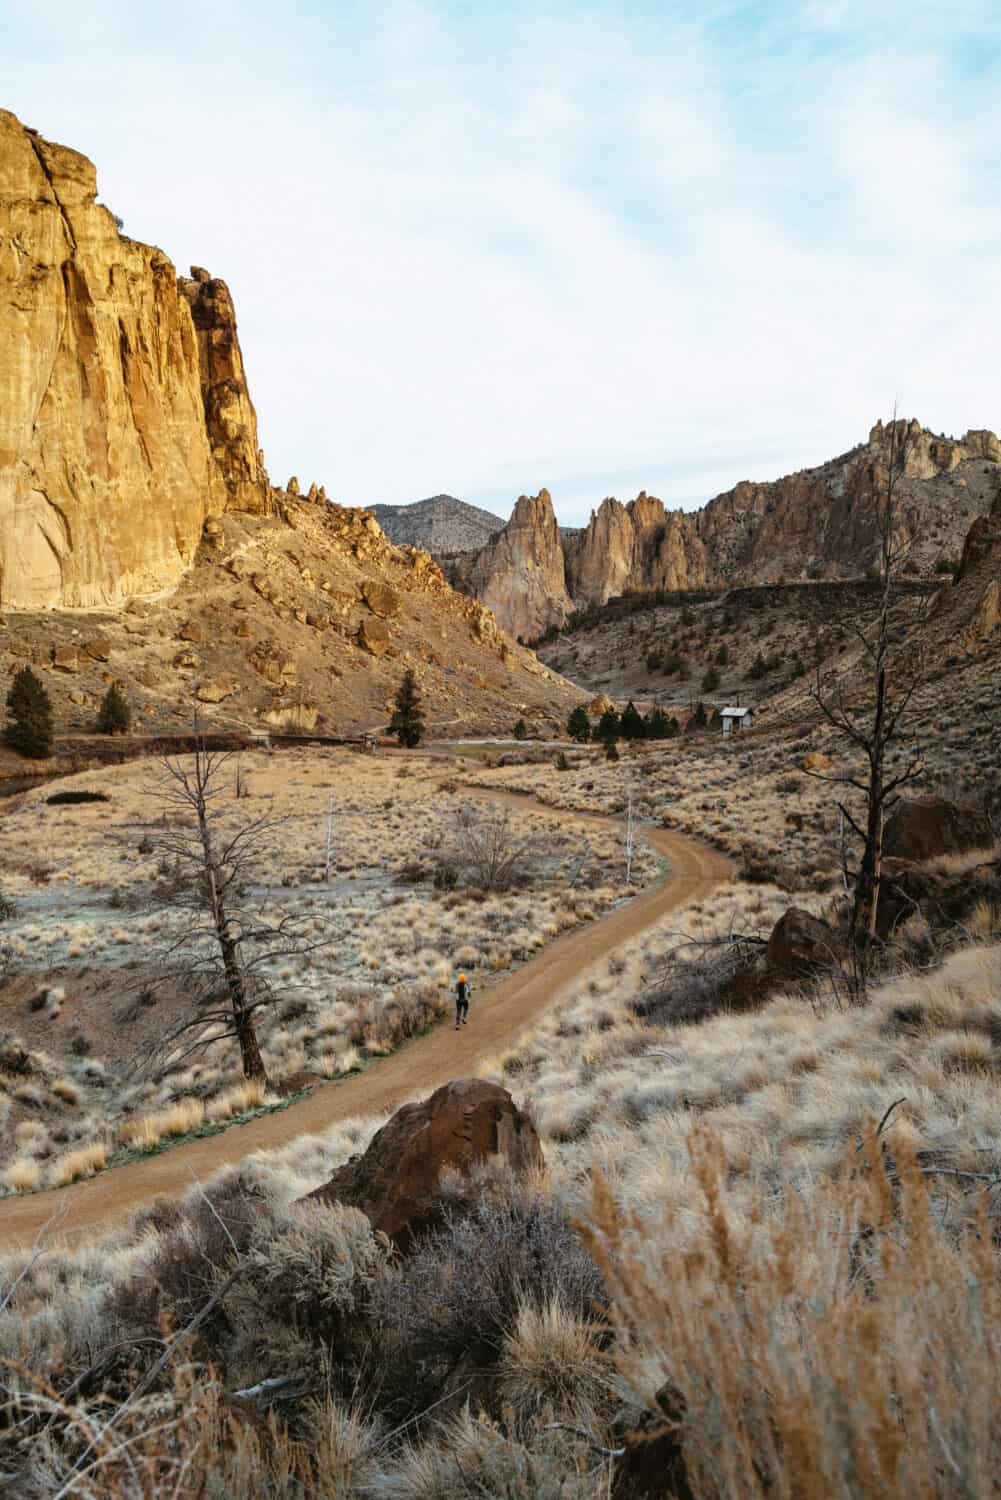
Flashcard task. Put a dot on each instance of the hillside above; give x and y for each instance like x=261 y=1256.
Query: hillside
x=814 y=524
x=441 y=524
x=302 y=620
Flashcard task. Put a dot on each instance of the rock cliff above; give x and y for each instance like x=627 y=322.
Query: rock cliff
x=814 y=523
x=124 y=412
x=520 y=574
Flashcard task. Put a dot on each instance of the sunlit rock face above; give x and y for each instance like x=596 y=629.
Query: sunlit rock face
x=124 y=412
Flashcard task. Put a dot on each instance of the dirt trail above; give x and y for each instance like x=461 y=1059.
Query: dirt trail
x=88 y=1210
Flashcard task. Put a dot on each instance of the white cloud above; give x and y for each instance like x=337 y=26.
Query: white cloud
x=486 y=257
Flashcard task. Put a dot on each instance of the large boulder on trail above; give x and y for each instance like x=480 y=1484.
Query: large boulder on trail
x=801 y=946
x=396 y=1181
x=921 y=827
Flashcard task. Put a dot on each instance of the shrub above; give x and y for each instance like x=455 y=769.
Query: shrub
x=520 y=730
x=462 y=1288
x=710 y=681
x=29 y=728
x=579 y=725
x=79 y=1164
x=72 y=798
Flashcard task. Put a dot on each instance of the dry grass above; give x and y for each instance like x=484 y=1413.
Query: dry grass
x=76 y=1165
x=23 y=1175
x=179 y=1119
x=250 y=1094
x=839 y=1345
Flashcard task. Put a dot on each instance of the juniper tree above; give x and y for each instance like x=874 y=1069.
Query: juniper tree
x=114 y=715
x=407 y=722
x=609 y=727
x=579 y=725
x=29 y=727
x=631 y=726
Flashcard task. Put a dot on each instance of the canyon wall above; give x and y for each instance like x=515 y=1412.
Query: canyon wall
x=124 y=412
x=817 y=523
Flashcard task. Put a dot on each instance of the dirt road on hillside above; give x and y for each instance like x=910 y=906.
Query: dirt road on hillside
x=88 y=1210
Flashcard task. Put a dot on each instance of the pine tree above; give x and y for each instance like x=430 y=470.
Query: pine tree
x=698 y=719
x=608 y=725
x=710 y=681
x=632 y=726
x=579 y=725
x=658 y=728
x=114 y=716
x=29 y=728
x=521 y=730
x=611 y=750
x=407 y=722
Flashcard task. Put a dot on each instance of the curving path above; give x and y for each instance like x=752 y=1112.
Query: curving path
x=498 y=1015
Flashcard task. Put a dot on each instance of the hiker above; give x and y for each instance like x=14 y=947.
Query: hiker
x=462 y=992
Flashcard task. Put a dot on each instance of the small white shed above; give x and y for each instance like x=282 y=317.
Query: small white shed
x=736 y=718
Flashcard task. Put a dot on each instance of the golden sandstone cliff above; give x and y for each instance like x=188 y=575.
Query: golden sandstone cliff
x=124 y=412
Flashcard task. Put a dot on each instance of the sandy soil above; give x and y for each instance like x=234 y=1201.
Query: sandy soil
x=90 y=1209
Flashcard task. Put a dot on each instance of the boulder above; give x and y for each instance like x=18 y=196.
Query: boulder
x=921 y=827
x=599 y=706
x=66 y=658
x=396 y=1181
x=373 y=637
x=214 y=691
x=300 y=717
x=190 y=631
x=99 y=649
x=381 y=600
x=800 y=946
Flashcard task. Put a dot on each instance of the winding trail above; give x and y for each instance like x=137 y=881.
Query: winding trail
x=88 y=1210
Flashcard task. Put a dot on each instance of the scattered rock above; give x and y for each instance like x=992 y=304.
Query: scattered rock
x=921 y=827
x=373 y=637
x=214 y=691
x=98 y=649
x=396 y=1181
x=190 y=631
x=66 y=659
x=801 y=946
x=381 y=599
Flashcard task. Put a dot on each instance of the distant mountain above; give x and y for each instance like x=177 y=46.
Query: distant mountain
x=441 y=524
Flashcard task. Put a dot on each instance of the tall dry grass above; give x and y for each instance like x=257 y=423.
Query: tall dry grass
x=834 y=1345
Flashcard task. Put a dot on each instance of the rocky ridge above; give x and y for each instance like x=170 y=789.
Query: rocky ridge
x=441 y=524
x=816 y=523
x=125 y=417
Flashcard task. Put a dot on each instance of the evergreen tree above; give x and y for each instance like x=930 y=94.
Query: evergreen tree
x=521 y=730
x=673 y=728
x=407 y=722
x=710 y=681
x=29 y=728
x=631 y=726
x=698 y=720
x=611 y=750
x=608 y=725
x=579 y=725
x=723 y=655
x=659 y=727
x=114 y=716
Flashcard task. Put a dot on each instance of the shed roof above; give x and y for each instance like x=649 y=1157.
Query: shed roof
x=735 y=713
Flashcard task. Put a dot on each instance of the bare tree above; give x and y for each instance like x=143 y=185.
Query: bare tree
x=223 y=955
x=486 y=850
x=873 y=719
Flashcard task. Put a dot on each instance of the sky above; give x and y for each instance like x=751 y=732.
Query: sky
x=479 y=248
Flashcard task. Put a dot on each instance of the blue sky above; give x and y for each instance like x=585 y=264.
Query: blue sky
x=602 y=248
